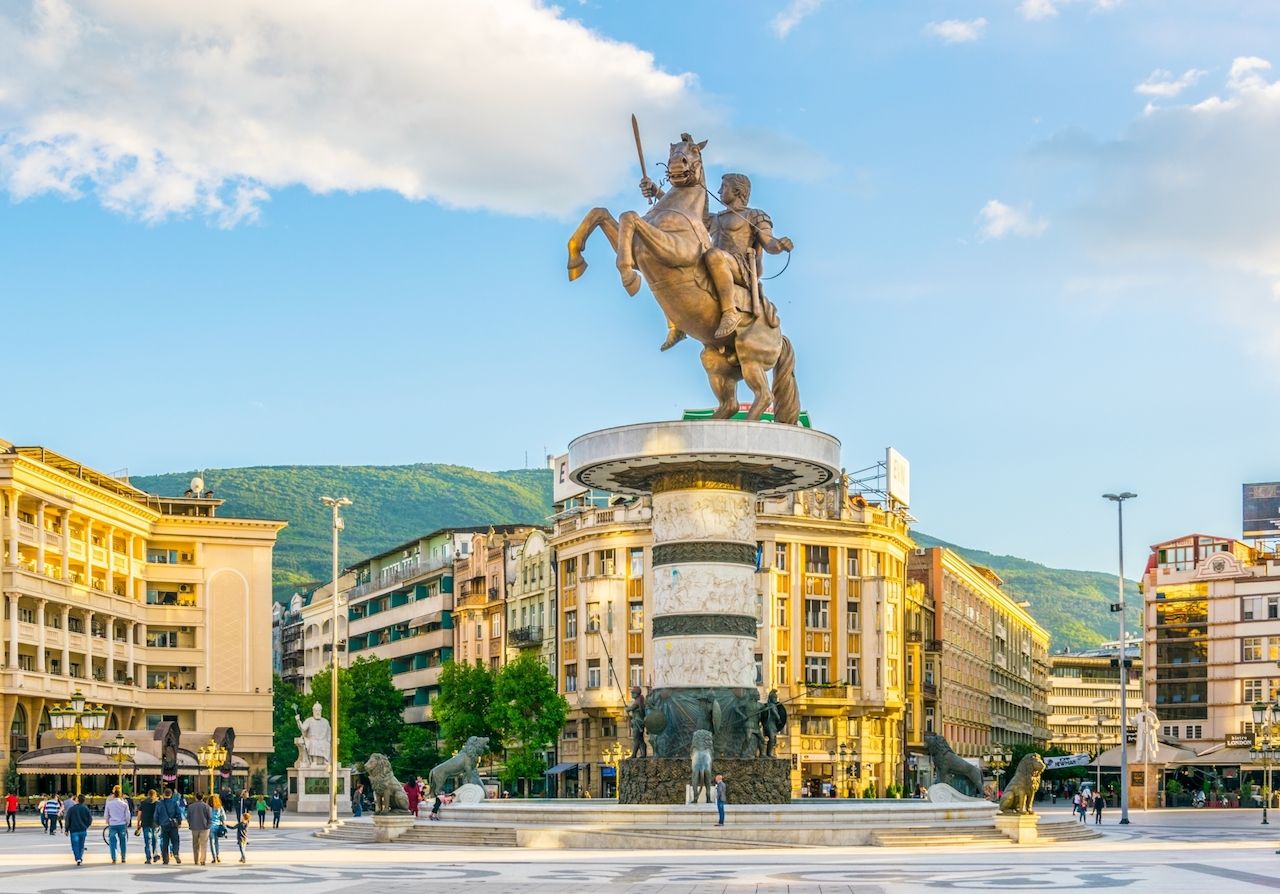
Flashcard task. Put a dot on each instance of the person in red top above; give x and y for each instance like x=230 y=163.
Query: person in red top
x=11 y=811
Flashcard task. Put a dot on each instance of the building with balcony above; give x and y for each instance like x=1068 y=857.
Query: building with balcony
x=991 y=657
x=287 y=640
x=156 y=607
x=485 y=574
x=830 y=602
x=531 y=600
x=1084 y=698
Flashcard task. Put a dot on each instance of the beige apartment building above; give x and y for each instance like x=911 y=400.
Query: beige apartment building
x=1084 y=698
x=531 y=600
x=485 y=575
x=830 y=609
x=992 y=657
x=156 y=607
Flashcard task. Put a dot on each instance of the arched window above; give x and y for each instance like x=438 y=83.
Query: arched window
x=43 y=727
x=18 y=741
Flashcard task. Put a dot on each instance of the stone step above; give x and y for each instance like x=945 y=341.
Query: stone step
x=933 y=837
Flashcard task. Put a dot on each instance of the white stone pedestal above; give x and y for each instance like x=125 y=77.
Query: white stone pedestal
x=388 y=828
x=309 y=791
x=1021 y=828
x=469 y=793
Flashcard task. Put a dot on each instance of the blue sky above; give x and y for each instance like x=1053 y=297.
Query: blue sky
x=1037 y=244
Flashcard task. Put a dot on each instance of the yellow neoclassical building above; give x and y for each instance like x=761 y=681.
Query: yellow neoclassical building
x=155 y=607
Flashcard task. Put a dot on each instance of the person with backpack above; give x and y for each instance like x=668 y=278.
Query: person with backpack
x=217 y=827
x=1099 y=802
x=169 y=820
x=147 y=826
x=51 y=810
x=277 y=806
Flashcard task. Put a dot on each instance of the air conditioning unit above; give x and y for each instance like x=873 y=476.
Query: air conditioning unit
x=921 y=552
x=188 y=557
x=184 y=670
x=184 y=588
x=184 y=629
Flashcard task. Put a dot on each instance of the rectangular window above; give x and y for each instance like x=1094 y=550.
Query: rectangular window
x=817 y=559
x=1251 y=608
x=593 y=617
x=1273 y=648
x=635 y=616
x=851 y=563
x=928 y=720
x=780 y=556
x=479 y=630
x=816 y=669
x=569 y=571
x=608 y=562
x=781 y=671
x=27 y=662
x=571 y=624
x=816 y=613
x=782 y=613
x=593 y=673
x=637 y=561
x=759 y=669
x=571 y=677
x=495 y=626
x=27 y=615
x=1273 y=608
x=1252 y=691
x=1194 y=731
x=852 y=676
x=635 y=672
x=853 y=616
x=1251 y=648
x=816 y=726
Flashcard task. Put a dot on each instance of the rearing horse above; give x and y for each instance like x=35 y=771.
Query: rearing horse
x=667 y=245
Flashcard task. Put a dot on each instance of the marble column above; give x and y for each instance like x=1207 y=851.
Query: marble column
x=88 y=645
x=66 y=546
x=133 y=633
x=40 y=537
x=108 y=668
x=66 y=640
x=88 y=552
x=131 y=545
x=13 y=527
x=13 y=629
x=110 y=579
x=40 y=634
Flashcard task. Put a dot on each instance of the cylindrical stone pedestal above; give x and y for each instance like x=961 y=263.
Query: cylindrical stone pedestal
x=704 y=478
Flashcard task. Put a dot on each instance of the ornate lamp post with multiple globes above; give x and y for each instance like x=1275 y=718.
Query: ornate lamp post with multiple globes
x=77 y=722
x=612 y=757
x=996 y=759
x=1266 y=744
x=211 y=756
x=120 y=750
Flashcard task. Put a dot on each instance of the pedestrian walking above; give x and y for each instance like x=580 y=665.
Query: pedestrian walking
x=242 y=834
x=217 y=827
x=11 y=811
x=1075 y=806
x=720 y=798
x=277 y=805
x=78 y=821
x=168 y=819
x=117 y=815
x=52 y=810
x=1099 y=802
x=357 y=801
x=411 y=792
x=199 y=819
x=261 y=806
x=147 y=826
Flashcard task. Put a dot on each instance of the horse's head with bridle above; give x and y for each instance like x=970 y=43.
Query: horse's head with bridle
x=684 y=163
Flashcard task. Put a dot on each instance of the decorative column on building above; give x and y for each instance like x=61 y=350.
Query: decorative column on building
x=131 y=545
x=109 y=666
x=13 y=629
x=40 y=535
x=88 y=555
x=132 y=628
x=66 y=549
x=13 y=527
x=88 y=645
x=40 y=629
x=66 y=640
x=110 y=580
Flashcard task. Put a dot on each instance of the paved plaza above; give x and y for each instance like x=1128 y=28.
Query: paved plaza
x=1164 y=851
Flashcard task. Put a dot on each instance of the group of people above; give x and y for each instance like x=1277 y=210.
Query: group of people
x=158 y=820
x=1083 y=801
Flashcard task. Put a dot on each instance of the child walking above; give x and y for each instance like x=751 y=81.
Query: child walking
x=242 y=834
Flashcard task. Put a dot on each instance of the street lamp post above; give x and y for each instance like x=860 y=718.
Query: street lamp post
x=1119 y=499
x=211 y=756
x=1098 y=753
x=335 y=505
x=77 y=723
x=120 y=750
x=844 y=754
x=1265 y=744
x=613 y=756
x=996 y=759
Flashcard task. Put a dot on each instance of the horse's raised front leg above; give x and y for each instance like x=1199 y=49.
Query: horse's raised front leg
x=627 y=223
x=596 y=217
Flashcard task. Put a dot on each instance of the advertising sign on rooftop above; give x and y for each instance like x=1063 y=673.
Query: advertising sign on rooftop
x=897 y=477
x=1262 y=510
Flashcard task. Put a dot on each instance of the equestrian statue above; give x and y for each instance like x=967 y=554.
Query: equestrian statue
x=704 y=271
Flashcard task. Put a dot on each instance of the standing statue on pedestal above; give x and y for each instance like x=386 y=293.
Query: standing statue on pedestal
x=635 y=715
x=689 y=274
x=773 y=719
x=313 y=744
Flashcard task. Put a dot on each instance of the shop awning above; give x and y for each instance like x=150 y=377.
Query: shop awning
x=607 y=770
x=95 y=763
x=429 y=618
x=1167 y=754
x=562 y=768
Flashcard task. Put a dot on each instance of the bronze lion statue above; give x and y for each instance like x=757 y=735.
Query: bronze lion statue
x=388 y=792
x=461 y=768
x=1020 y=793
x=950 y=767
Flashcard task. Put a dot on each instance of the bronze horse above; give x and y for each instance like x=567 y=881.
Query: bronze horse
x=667 y=245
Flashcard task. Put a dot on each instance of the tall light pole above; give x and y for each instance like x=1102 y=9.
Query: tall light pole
x=1119 y=499
x=335 y=505
x=77 y=722
x=212 y=756
x=121 y=750
x=1265 y=744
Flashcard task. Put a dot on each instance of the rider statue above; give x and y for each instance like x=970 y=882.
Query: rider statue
x=636 y=712
x=773 y=717
x=738 y=234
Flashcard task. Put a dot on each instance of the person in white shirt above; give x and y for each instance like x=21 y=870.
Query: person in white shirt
x=117 y=814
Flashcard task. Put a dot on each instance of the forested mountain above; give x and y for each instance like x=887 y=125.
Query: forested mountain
x=393 y=504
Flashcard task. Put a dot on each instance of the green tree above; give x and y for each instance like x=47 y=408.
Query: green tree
x=369 y=708
x=416 y=752
x=285 y=699
x=529 y=714
x=462 y=707
x=11 y=778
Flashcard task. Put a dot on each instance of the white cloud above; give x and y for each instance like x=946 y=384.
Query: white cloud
x=998 y=220
x=1039 y=10
x=160 y=109
x=957 y=30
x=1191 y=183
x=1162 y=82
x=795 y=13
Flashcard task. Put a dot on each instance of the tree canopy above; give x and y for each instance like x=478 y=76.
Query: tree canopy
x=462 y=708
x=528 y=713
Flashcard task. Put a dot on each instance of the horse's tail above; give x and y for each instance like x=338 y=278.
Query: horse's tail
x=786 y=393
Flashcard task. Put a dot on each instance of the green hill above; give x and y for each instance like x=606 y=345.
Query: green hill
x=1074 y=606
x=393 y=504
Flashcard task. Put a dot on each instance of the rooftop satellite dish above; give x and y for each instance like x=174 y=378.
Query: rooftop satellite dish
x=197 y=485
